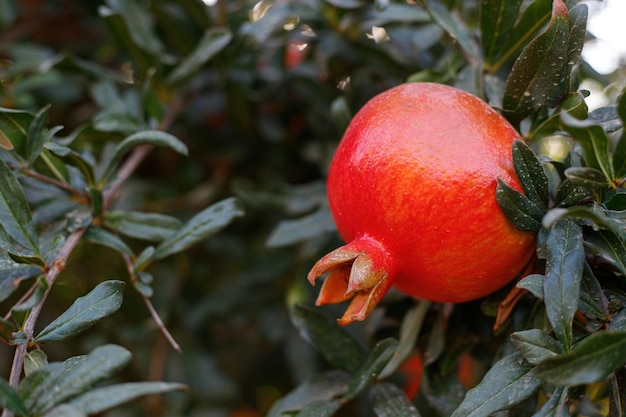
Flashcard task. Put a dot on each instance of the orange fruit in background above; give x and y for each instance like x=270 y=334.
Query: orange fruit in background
x=412 y=190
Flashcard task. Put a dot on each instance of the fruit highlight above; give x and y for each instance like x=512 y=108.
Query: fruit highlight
x=411 y=188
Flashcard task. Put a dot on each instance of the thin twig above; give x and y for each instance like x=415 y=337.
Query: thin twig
x=57 y=266
x=159 y=322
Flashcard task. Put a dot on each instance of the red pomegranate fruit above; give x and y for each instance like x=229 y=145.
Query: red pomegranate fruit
x=412 y=189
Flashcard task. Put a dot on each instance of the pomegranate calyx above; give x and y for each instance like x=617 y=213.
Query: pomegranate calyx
x=358 y=271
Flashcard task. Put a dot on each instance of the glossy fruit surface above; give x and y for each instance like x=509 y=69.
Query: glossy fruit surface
x=411 y=188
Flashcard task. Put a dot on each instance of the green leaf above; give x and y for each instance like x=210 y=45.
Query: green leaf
x=213 y=41
x=64 y=410
x=531 y=175
x=289 y=232
x=389 y=400
x=555 y=405
x=56 y=382
x=535 y=345
x=101 y=399
x=508 y=382
x=576 y=38
x=521 y=211
x=36 y=296
x=14 y=125
x=564 y=270
x=570 y=193
x=332 y=341
x=153 y=227
x=10 y=400
x=102 y=301
x=534 y=17
x=536 y=77
x=608 y=248
x=593 y=141
x=534 y=284
x=17 y=234
x=34 y=360
x=619 y=155
x=316 y=389
x=589 y=178
x=105 y=238
x=496 y=20
x=593 y=359
x=146 y=137
x=376 y=361
x=12 y=273
x=453 y=26
x=73 y=158
x=204 y=224
x=322 y=408
x=140 y=25
x=593 y=302
x=37 y=135
x=615 y=200
x=594 y=213
x=409 y=331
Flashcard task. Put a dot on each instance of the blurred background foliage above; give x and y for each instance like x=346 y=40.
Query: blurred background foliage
x=260 y=92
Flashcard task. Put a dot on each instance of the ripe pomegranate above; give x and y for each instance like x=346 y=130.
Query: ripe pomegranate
x=411 y=188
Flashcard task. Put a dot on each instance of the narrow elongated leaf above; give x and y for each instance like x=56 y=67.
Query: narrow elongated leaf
x=10 y=400
x=73 y=158
x=531 y=174
x=593 y=141
x=57 y=382
x=575 y=41
x=593 y=359
x=12 y=273
x=593 y=302
x=14 y=125
x=64 y=410
x=321 y=408
x=153 y=227
x=533 y=19
x=535 y=78
x=102 y=301
x=564 y=270
x=146 y=137
x=534 y=284
x=140 y=25
x=609 y=248
x=536 y=345
x=496 y=20
x=105 y=238
x=332 y=341
x=619 y=156
x=213 y=41
x=593 y=213
x=589 y=178
x=312 y=225
x=101 y=399
x=521 y=211
x=455 y=28
x=555 y=402
x=389 y=400
x=17 y=234
x=508 y=382
x=371 y=368
x=316 y=389
x=568 y=193
x=36 y=135
x=204 y=224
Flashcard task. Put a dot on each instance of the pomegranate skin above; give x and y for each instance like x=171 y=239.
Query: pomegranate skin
x=414 y=178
